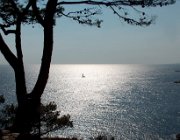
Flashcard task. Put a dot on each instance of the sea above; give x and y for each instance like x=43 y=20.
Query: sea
x=126 y=101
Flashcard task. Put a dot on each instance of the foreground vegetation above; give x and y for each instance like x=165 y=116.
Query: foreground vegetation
x=48 y=121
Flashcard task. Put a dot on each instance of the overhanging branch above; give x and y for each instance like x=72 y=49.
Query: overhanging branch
x=118 y=6
x=143 y=3
x=105 y=3
x=85 y=16
x=140 y=22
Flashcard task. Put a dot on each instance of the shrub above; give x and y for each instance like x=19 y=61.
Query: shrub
x=49 y=119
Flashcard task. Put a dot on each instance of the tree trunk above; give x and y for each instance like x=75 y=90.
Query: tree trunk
x=28 y=109
x=28 y=104
x=48 y=48
x=21 y=90
x=21 y=121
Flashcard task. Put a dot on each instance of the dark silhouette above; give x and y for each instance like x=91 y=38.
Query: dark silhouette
x=15 y=13
x=48 y=121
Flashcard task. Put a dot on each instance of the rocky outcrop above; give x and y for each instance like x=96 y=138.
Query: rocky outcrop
x=7 y=135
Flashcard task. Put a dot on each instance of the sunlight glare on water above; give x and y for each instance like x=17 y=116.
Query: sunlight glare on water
x=124 y=101
x=85 y=97
x=129 y=102
x=70 y=84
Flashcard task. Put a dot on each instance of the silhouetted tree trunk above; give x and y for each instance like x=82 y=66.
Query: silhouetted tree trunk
x=21 y=90
x=48 y=48
x=28 y=104
x=21 y=123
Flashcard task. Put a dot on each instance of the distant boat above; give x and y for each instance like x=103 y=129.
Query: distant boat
x=83 y=76
x=177 y=70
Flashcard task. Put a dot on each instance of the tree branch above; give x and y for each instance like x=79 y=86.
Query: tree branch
x=21 y=89
x=14 y=5
x=105 y=3
x=121 y=2
x=117 y=6
x=37 y=13
x=8 y=55
x=142 y=21
x=6 y=32
x=84 y=16
x=27 y=8
x=18 y=30
x=47 y=51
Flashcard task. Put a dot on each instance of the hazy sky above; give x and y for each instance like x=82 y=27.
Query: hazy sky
x=114 y=42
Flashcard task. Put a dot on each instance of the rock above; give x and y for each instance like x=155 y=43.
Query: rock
x=7 y=135
x=15 y=135
x=4 y=132
x=5 y=138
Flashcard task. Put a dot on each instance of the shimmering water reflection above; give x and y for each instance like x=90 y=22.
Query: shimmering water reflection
x=126 y=101
x=129 y=102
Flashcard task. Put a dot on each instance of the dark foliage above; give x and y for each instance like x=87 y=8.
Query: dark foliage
x=7 y=116
x=49 y=120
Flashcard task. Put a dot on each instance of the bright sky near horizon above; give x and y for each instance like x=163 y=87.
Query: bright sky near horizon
x=114 y=43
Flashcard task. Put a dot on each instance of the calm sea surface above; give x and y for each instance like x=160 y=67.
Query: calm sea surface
x=129 y=102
